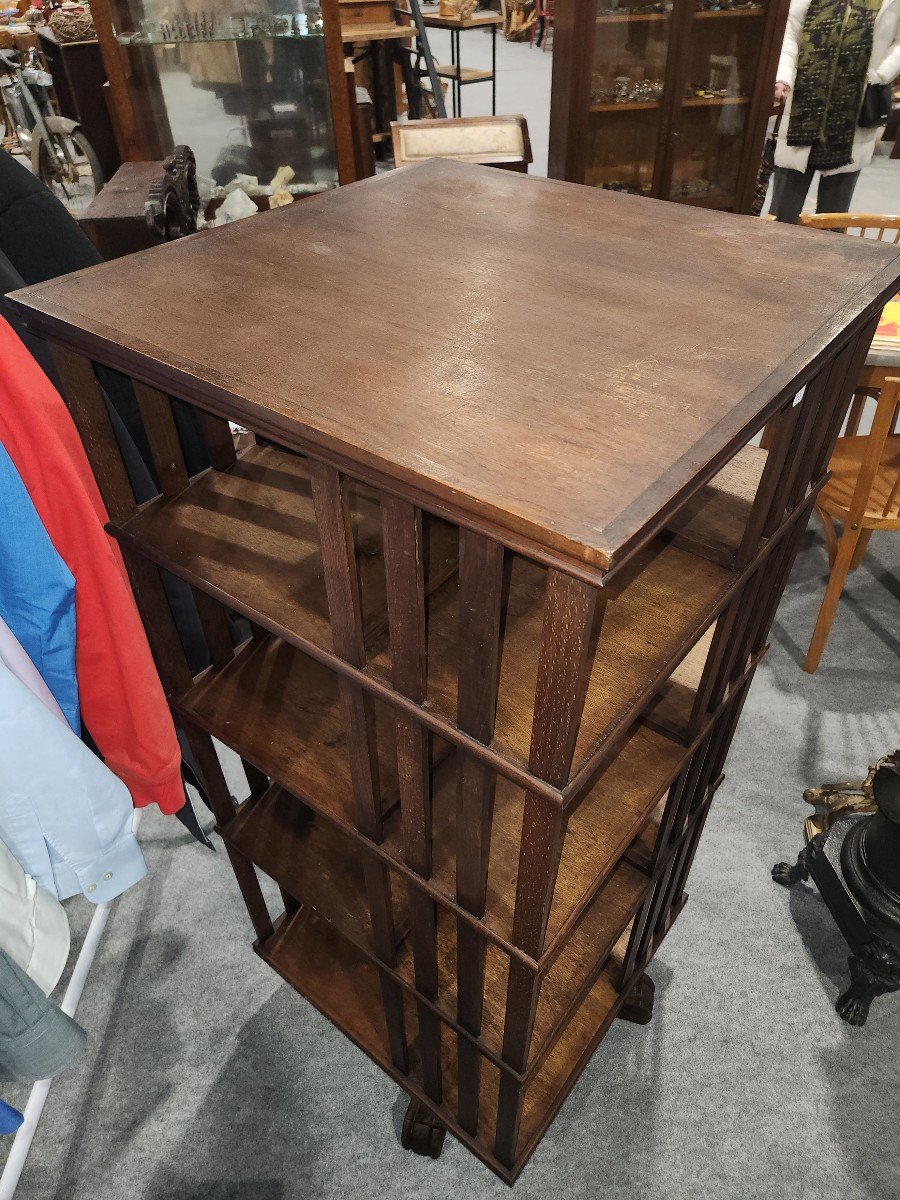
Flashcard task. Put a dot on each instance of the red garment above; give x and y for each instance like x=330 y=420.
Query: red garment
x=121 y=698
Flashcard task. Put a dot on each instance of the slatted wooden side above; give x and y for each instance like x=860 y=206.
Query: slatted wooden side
x=88 y=408
x=480 y=600
x=404 y=563
x=797 y=459
x=332 y=508
x=572 y=616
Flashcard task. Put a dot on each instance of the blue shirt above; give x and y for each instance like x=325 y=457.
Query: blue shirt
x=37 y=592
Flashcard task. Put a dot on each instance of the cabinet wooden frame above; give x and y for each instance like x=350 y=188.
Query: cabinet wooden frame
x=138 y=110
x=577 y=25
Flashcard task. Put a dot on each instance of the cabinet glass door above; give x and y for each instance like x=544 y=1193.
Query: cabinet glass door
x=631 y=49
x=244 y=85
x=722 y=58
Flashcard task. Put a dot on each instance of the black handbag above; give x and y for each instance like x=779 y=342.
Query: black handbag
x=766 y=167
x=876 y=106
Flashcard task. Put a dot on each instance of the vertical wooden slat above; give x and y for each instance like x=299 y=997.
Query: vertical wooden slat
x=480 y=601
x=404 y=567
x=210 y=769
x=711 y=669
x=257 y=780
x=216 y=631
x=168 y=653
x=88 y=408
x=159 y=425
x=832 y=428
x=807 y=414
x=834 y=399
x=780 y=432
x=219 y=440
x=568 y=639
x=689 y=850
x=333 y=520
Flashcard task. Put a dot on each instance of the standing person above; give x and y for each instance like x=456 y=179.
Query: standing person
x=832 y=50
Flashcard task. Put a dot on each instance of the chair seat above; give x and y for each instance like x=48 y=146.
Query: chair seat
x=845 y=466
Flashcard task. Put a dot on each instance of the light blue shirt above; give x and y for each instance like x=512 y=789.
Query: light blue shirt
x=37 y=592
x=63 y=814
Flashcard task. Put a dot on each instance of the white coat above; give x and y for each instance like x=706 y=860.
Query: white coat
x=884 y=67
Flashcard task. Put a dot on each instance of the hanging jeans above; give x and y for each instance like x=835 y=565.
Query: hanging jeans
x=791 y=187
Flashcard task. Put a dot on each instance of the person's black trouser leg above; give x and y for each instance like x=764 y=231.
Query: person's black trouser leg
x=836 y=192
x=789 y=192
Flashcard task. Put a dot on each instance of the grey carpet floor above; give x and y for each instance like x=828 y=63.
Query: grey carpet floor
x=209 y=1079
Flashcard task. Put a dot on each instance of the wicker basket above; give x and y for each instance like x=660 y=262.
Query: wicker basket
x=72 y=26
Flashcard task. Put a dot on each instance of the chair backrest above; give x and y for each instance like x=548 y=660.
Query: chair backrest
x=875 y=499
x=876 y=226
x=492 y=141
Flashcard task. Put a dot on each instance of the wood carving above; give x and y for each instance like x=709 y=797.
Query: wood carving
x=173 y=200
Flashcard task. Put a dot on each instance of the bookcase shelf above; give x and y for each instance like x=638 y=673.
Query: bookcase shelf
x=280 y=711
x=343 y=985
x=506 y=596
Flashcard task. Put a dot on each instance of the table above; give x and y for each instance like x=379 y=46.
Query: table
x=507 y=594
x=459 y=75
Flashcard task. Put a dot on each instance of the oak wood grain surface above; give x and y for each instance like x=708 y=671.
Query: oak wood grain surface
x=303 y=324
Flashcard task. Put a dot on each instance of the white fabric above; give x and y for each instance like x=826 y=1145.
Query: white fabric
x=884 y=67
x=34 y=930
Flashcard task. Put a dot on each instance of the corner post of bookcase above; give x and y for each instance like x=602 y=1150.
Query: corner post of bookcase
x=404 y=568
x=571 y=625
x=333 y=520
x=478 y=666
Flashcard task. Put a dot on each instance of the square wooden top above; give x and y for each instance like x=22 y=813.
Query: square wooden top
x=559 y=364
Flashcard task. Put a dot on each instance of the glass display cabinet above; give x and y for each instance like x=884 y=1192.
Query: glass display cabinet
x=664 y=98
x=252 y=86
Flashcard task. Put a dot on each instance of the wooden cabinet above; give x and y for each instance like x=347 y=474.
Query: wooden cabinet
x=507 y=593
x=664 y=98
x=248 y=90
x=78 y=79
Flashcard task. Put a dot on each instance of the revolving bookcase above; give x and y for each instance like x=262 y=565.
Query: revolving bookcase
x=506 y=596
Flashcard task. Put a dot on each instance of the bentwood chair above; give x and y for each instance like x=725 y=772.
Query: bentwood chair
x=862 y=492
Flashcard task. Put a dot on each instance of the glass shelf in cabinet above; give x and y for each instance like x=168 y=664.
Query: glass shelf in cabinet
x=712 y=101
x=143 y=39
x=623 y=105
x=612 y=16
x=742 y=10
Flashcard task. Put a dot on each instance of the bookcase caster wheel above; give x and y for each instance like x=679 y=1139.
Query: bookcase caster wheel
x=638 y=1008
x=422 y=1132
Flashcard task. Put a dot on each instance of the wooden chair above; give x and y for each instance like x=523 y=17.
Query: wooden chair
x=871 y=225
x=492 y=141
x=862 y=492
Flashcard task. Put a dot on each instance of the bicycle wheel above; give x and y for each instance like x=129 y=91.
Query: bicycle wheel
x=69 y=167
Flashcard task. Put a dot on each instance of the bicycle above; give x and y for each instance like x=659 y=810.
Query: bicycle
x=60 y=154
